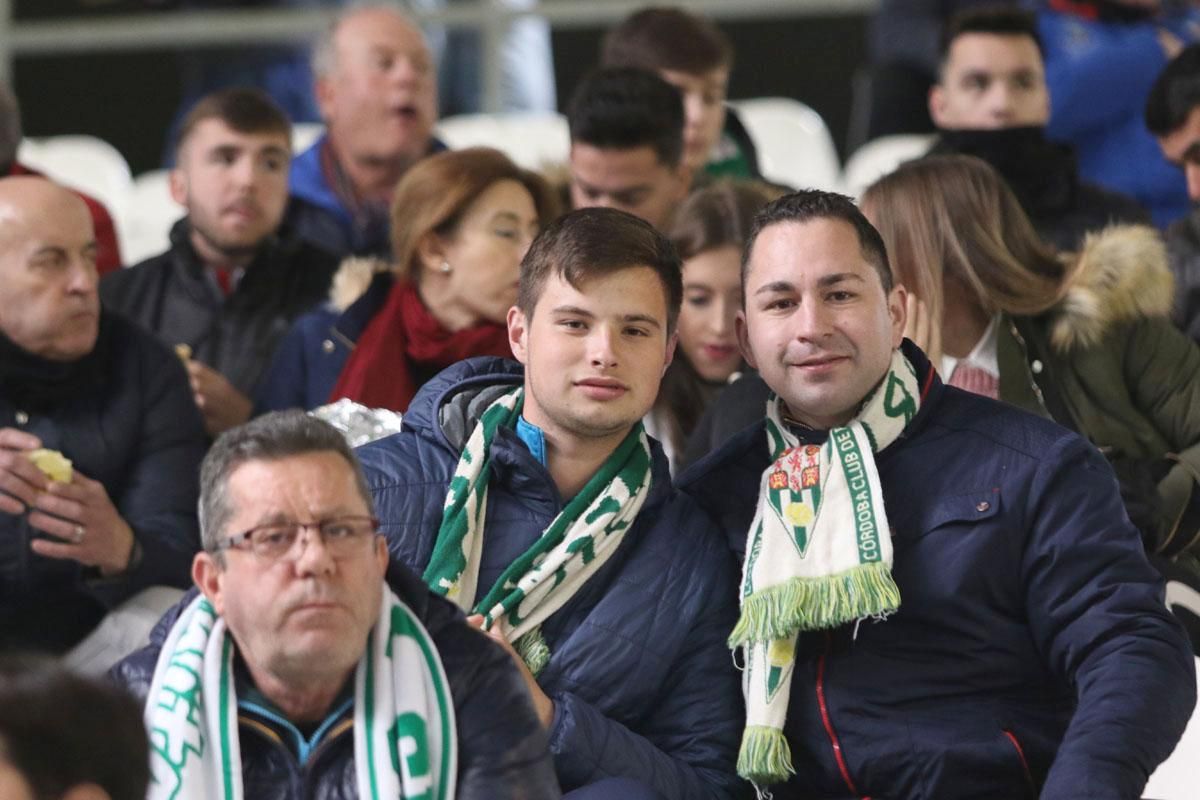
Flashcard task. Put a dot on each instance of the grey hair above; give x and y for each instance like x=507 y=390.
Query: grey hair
x=324 y=53
x=271 y=437
x=10 y=125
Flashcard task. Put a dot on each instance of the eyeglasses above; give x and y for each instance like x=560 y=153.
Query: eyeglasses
x=341 y=536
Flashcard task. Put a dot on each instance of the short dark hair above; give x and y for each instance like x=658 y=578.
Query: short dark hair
x=807 y=205
x=244 y=110
x=599 y=241
x=1175 y=93
x=671 y=38
x=271 y=437
x=59 y=730
x=997 y=20
x=622 y=108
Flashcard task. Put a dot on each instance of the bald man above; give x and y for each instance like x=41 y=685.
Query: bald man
x=113 y=401
x=376 y=87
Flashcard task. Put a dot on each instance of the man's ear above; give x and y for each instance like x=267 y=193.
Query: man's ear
x=898 y=311
x=937 y=104
x=672 y=343
x=381 y=554
x=206 y=574
x=177 y=183
x=743 y=337
x=518 y=334
x=323 y=94
x=683 y=174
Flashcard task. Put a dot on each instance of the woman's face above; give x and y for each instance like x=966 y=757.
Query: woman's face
x=484 y=254
x=712 y=295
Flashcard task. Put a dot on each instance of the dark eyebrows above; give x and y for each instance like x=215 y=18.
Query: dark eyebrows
x=643 y=318
x=825 y=281
x=775 y=286
x=582 y=312
x=276 y=150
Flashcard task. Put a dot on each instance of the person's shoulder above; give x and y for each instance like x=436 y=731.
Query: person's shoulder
x=130 y=341
x=123 y=283
x=976 y=424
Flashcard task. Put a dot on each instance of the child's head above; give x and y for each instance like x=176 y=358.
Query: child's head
x=689 y=52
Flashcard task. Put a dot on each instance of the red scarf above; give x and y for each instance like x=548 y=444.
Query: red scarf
x=403 y=334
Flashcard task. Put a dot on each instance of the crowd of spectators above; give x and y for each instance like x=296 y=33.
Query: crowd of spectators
x=923 y=461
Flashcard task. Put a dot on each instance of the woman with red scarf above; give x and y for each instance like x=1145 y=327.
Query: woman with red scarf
x=461 y=222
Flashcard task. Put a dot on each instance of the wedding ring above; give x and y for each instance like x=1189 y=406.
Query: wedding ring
x=78 y=534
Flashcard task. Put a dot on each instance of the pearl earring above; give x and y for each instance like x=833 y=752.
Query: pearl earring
x=445 y=267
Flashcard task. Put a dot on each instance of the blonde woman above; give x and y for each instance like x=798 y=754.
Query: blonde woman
x=1083 y=339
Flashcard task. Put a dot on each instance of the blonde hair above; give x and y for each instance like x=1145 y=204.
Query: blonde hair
x=436 y=191
x=953 y=215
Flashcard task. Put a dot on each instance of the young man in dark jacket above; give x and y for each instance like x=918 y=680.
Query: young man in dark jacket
x=991 y=101
x=232 y=282
x=946 y=588
x=535 y=501
x=298 y=661
x=113 y=401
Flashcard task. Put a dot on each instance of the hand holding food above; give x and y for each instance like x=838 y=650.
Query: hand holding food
x=20 y=480
x=53 y=464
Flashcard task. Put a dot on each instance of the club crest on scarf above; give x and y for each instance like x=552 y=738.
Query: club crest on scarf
x=794 y=491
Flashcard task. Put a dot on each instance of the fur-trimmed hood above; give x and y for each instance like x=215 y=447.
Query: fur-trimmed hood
x=352 y=278
x=1120 y=273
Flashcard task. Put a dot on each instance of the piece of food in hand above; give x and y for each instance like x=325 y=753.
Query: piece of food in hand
x=183 y=351
x=52 y=463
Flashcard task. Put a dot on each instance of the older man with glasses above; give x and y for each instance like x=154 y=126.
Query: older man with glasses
x=296 y=671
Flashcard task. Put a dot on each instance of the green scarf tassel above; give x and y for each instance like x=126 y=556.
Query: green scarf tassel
x=808 y=604
x=765 y=757
x=534 y=651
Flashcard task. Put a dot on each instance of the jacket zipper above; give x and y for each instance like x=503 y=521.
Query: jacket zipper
x=825 y=720
x=1016 y=743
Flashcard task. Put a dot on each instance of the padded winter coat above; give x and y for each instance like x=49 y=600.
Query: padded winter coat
x=501 y=746
x=1032 y=653
x=642 y=682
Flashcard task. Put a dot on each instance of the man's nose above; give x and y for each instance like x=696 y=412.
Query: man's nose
x=811 y=321
x=84 y=278
x=314 y=557
x=1000 y=101
x=601 y=347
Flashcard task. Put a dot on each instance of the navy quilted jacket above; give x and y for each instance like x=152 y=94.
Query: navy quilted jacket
x=1032 y=653
x=642 y=682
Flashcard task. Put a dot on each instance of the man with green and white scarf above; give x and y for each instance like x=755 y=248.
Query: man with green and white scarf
x=941 y=595
x=296 y=671
x=532 y=498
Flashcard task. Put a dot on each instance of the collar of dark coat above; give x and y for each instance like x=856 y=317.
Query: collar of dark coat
x=259 y=280
x=746 y=451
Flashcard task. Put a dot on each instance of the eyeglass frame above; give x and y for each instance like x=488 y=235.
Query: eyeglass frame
x=236 y=541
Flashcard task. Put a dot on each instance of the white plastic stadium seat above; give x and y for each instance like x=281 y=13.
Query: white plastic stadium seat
x=880 y=156
x=150 y=213
x=1176 y=778
x=533 y=140
x=86 y=163
x=793 y=142
x=304 y=134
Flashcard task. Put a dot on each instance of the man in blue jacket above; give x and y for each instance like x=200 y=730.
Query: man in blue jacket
x=535 y=501
x=945 y=588
x=377 y=91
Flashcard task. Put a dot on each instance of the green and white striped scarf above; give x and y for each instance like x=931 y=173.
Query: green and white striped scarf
x=405 y=744
x=819 y=555
x=577 y=542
